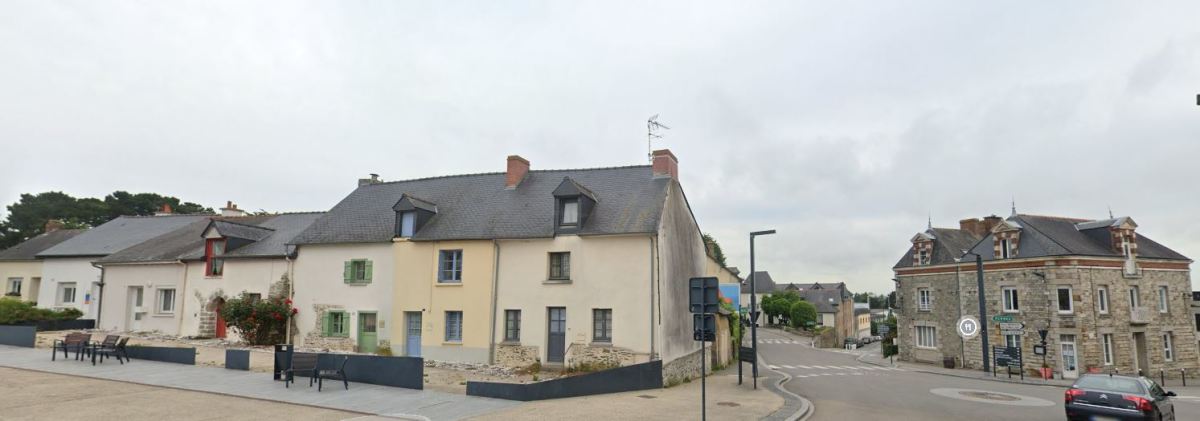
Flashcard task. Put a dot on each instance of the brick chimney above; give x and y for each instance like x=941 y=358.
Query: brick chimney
x=165 y=209
x=665 y=164
x=367 y=181
x=973 y=226
x=231 y=209
x=53 y=225
x=518 y=167
x=990 y=222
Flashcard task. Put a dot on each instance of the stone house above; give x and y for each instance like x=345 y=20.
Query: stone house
x=1109 y=298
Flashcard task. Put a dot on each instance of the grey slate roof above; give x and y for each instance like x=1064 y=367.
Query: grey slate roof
x=948 y=244
x=821 y=299
x=230 y=228
x=187 y=243
x=1044 y=236
x=28 y=249
x=119 y=234
x=763 y=283
x=477 y=206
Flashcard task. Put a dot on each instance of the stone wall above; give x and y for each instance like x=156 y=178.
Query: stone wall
x=684 y=368
x=1037 y=290
x=600 y=356
x=315 y=340
x=514 y=355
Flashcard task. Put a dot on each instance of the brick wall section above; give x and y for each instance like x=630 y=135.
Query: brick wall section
x=1039 y=308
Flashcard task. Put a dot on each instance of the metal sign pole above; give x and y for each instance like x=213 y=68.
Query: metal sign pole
x=703 y=366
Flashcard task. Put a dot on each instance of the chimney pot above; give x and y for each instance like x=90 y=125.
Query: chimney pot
x=665 y=164
x=517 y=169
x=231 y=209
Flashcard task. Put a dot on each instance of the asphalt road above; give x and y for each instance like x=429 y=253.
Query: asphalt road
x=842 y=388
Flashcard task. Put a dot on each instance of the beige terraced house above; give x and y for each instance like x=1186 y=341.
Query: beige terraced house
x=1109 y=297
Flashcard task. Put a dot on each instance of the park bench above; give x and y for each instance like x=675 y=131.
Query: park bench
x=73 y=341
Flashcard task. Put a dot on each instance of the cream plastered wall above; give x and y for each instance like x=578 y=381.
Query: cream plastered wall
x=70 y=269
x=418 y=290
x=118 y=311
x=318 y=281
x=251 y=275
x=27 y=270
x=724 y=276
x=607 y=272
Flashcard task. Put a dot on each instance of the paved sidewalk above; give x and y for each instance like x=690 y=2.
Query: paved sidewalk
x=362 y=398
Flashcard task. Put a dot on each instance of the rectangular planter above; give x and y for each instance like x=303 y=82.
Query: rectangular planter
x=53 y=325
x=237 y=359
x=406 y=372
x=621 y=379
x=24 y=336
x=164 y=354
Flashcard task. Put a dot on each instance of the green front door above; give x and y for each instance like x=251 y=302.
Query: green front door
x=368 y=339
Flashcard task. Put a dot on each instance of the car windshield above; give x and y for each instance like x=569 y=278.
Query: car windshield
x=1112 y=384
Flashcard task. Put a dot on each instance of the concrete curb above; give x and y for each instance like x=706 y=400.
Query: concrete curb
x=918 y=369
x=805 y=407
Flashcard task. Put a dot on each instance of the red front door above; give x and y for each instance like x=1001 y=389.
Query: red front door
x=220 y=321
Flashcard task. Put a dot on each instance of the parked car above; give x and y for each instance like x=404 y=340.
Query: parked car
x=1103 y=396
x=851 y=341
x=865 y=340
x=877 y=338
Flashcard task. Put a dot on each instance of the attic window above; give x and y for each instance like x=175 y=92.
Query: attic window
x=570 y=212
x=407 y=223
x=1005 y=250
x=214 y=263
x=923 y=256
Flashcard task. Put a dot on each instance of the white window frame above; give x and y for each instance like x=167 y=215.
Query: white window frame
x=923 y=257
x=926 y=337
x=1135 y=297
x=1168 y=346
x=1070 y=299
x=160 y=301
x=1107 y=344
x=1011 y=299
x=15 y=281
x=573 y=205
x=1164 y=299
x=1012 y=341
x=456 y=327
x=1005 y=250
x=62 y=291
x=1102 y=299
x=924 y=299
x=408 y=223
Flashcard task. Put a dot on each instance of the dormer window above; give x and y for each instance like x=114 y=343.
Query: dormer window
x=570 y=212
x=412 y=213
x=214 y=262
x=923 y=256
x=1005 y=249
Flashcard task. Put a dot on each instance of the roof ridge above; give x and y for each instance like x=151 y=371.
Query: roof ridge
x=166 y=216
x=1065 y=218
x=436 y=177
x=245 y=224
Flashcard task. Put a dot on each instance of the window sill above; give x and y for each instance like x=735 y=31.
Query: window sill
x=163 y=315
x=602 y=344
x=213 y=276
x=358 y=284
x=451 y=343
x=557 y=282
x=510 y=343
x=1012 y=311
x=449 y=284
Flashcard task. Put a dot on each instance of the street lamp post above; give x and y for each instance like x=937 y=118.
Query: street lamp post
x=754 y=304
x=983 y=323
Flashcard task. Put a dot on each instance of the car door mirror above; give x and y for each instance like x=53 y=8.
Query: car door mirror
x=1171 y=394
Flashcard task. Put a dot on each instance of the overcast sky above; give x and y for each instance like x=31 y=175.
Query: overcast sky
x=840 y=125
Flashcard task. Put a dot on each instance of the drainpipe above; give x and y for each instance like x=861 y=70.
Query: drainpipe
x=495 y=298
x=100 y=295
x=652 y=267
x=183 y=304
x=291 y=319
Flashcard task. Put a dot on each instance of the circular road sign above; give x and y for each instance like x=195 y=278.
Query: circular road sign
x=968 y=327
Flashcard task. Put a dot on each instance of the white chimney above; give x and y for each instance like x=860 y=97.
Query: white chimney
x=231 y=209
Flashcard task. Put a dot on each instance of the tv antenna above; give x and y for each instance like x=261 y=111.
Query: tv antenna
x=653 y=126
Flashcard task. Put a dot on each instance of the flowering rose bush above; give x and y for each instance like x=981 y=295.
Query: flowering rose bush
x=259 y=322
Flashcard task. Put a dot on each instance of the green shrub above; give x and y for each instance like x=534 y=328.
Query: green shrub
x=259 y=322
x=14 y=311
x=802 y=314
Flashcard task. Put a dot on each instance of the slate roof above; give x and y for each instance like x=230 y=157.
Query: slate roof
x=187 y=243
x=764 y=284
x=119 y=234
x=820 y=298
x=230 y=228
x=478 y=206
x=1044 y=236
x=28 y=249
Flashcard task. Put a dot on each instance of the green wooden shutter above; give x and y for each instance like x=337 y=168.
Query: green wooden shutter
x=325 y=324
x=369 y=265
x=348 y=272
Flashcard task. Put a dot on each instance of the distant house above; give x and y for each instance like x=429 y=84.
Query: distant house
x=21 y=269
x=862 y=318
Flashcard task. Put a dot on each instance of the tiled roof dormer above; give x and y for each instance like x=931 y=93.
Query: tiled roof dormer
x=412 y=213
x=573 y=204
x=1006 y=239
x=923 y=248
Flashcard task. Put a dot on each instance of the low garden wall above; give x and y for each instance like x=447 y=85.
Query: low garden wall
x=25 y=336
x=406 y=372
x=52 y=325
x=621 y=379
x=163 y=354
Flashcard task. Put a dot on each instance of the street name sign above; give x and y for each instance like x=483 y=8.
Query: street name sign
x=1012 y=326
x=884 y=329
x=1000 y=318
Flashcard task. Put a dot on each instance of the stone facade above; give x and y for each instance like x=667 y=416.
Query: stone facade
x=315 y=339
x=954 y=294
x=516 y=355
x=600 y=356
x=684 y=368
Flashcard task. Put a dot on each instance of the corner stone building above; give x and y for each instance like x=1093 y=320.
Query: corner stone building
x=1111 y=299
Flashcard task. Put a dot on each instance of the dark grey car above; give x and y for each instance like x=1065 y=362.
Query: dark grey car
x=1103 y=396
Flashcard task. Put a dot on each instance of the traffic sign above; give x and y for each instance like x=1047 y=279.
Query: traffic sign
x=884 y=329
x=1012 y=326
x=968 y=327
x=1002 y=318
x=703 y=297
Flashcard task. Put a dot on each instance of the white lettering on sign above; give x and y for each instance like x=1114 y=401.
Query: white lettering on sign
x=968 y=327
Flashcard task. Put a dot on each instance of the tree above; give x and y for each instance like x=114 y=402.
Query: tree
x=27 y=217
x=802 y=314
x=711 y=244
x=777 y=306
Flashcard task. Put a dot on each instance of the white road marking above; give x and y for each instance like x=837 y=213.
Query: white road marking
x=773 y=367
